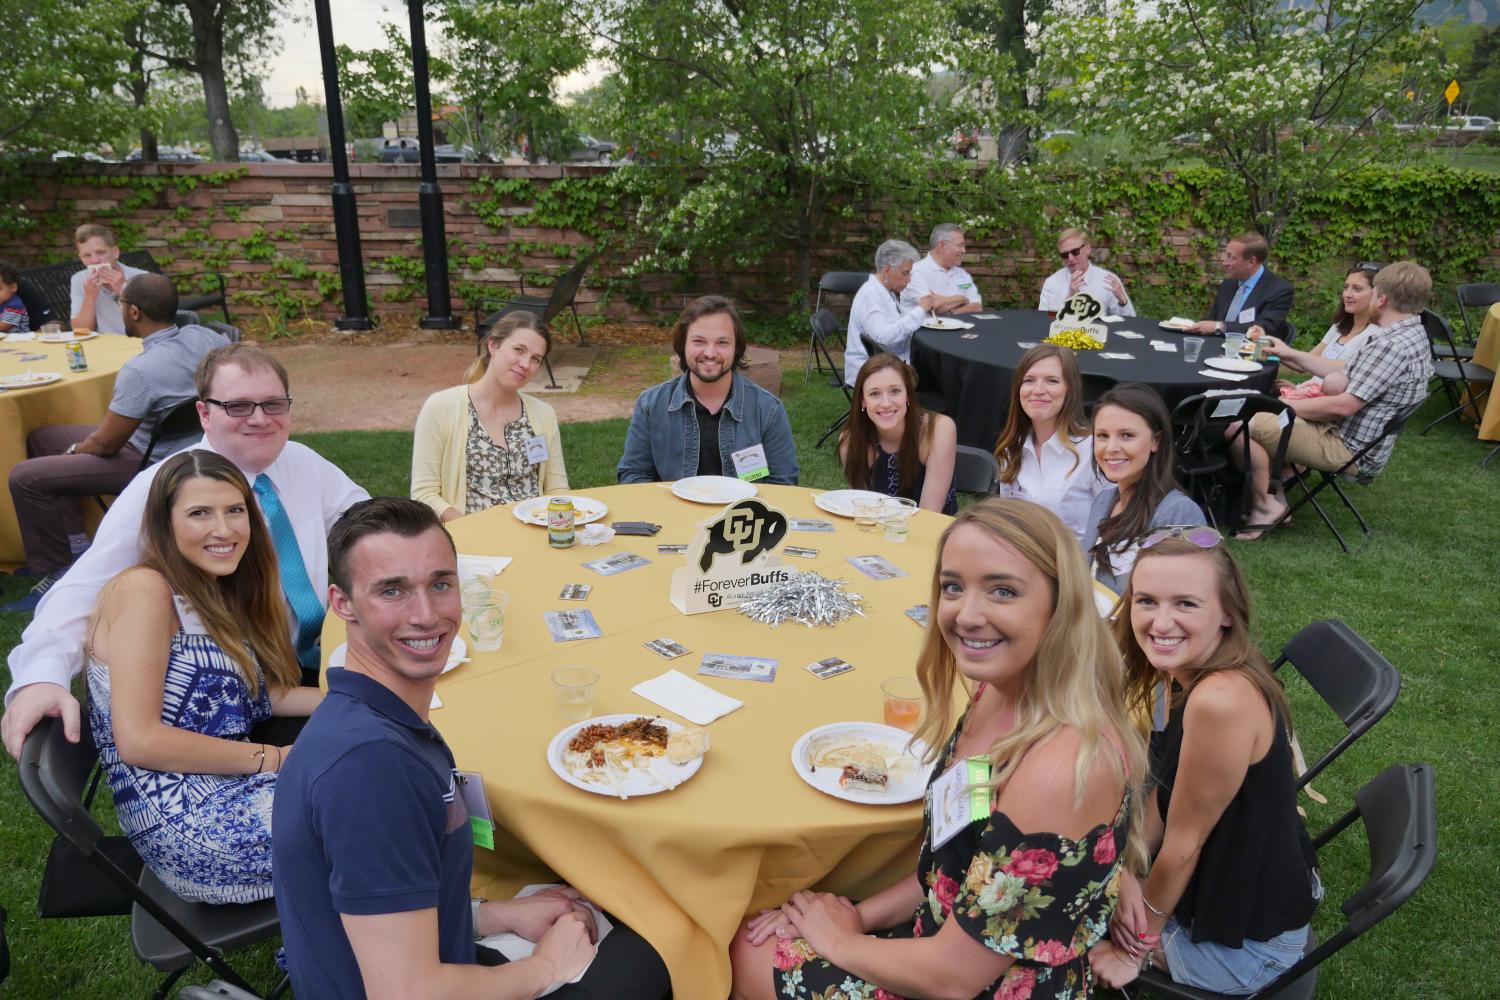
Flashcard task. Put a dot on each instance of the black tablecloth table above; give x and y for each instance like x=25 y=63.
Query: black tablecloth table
x=973 y=375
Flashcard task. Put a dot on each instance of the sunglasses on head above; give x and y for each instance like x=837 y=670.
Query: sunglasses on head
x=1070 y=254
x=1201 y=536
x=1368 y=266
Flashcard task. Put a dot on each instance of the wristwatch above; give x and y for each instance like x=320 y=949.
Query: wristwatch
x=72 y=449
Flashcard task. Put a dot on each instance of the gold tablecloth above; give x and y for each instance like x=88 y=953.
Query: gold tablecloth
x=1487 y=353
x=80 y=398
x=682 y=867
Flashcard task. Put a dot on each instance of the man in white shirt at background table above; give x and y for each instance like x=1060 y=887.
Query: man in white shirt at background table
x=939 y=274
x=1079 y=275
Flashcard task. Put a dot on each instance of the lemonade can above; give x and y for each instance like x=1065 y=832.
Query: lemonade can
x=76 y=361
x=560 y=522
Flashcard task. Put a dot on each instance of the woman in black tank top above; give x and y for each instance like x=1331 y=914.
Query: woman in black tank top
x=1232 y=883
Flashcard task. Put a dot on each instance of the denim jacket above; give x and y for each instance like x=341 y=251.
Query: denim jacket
x=662 y=443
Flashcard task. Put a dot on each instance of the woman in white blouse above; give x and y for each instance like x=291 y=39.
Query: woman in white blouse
x=877 y=312
x=1045 y=449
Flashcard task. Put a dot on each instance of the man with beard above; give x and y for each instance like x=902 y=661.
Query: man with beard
x=711 y=420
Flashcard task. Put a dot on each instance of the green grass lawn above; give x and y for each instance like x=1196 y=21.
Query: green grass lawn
x=1422 y=592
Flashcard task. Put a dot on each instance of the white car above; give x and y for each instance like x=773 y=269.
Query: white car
x=1471 y=123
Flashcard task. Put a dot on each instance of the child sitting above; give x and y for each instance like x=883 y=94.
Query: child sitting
x=1329 y=385
x=13 y=315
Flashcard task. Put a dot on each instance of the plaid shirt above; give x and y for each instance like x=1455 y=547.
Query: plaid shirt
x=1390 y=372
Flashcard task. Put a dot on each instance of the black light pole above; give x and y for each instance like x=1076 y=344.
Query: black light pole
x=429 y=195
x=345 y=217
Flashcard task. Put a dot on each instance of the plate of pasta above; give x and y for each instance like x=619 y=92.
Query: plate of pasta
x=865 y=762
x=627 y=755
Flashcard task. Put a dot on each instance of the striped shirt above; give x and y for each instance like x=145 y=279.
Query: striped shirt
x=157 y=379
x=1389 y=372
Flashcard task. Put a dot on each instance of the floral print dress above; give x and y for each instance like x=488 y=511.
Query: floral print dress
x=497 y=471
x=1040 y=898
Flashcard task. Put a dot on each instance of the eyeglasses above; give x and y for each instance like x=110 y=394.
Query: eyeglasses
x=244 y=407
x=1070 y=254
x=1203 y=537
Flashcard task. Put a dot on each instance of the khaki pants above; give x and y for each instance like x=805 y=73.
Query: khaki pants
x=1314 y=444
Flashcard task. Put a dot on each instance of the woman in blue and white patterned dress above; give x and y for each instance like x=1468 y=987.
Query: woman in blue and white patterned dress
x=187 y=651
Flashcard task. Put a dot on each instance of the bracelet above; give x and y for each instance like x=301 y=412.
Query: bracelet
x=1147 y=900
x=278 y=759
x=261 y=757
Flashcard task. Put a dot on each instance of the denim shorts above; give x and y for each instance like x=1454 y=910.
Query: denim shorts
x=1232 y=971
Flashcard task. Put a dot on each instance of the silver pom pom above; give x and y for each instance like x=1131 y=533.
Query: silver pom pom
x=805 y=597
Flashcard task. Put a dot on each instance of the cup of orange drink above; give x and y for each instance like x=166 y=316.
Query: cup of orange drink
x=903 y=702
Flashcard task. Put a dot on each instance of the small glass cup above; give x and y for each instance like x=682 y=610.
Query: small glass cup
x=903 y=702
x=1191 y=348
x=50 y=329
x=1233 y=342
x=484 y=612
x=867 y=511
x=574 y=687
x=895 y=516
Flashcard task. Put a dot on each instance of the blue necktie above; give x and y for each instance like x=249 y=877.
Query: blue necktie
x=295 y=583
x=1237 y=303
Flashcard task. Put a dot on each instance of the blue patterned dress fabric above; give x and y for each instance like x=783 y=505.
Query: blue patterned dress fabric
x=206 y=836
x=885 y=477
x=295 y=583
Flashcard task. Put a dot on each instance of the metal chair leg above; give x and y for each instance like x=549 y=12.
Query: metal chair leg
x=1493 y=452
x=165 y=988
x=843 y=419
x=583 y=338
x=551 y=378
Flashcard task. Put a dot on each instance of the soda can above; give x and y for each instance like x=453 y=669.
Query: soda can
x=76 y=361
x=560 y=522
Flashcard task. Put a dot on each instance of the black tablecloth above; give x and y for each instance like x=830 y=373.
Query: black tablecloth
x=972 y=376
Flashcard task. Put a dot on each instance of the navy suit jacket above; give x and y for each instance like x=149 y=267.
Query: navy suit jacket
x=1271 y=298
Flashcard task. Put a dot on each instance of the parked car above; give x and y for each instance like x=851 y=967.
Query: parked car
x=166 y=154
x=250 y=154
x=591 y=150
x=1470 y=123
x=408 y=150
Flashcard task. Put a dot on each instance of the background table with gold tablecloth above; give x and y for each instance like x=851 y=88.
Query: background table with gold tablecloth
x=1487 y=353
x=79 y=398
x=745 y=832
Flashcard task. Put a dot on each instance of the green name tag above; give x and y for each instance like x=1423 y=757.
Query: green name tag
x=484 y=832
x=977 y=772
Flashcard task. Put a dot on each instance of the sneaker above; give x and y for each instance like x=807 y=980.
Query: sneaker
x=27 y=604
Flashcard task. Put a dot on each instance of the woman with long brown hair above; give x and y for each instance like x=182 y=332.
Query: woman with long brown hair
x=1045 y=447
x=186 y=652
x=1233 y=883
x=486 y=442
x=1006 y=905
x=891 y=445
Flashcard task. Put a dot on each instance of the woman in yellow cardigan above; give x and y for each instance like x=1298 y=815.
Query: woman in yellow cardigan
x=485 y=442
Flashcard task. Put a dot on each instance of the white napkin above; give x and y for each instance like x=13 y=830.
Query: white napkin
x=1112 y=319
x=986 y=316
x=679 y=693
x=953 y=323
x=1179 y=321
x=481 y=565
x=1129 y=334
x=1117 y=356
x=515 y=947
x=436 y=702
x=1162 y=345
x=1226 y=376
x=16 y=338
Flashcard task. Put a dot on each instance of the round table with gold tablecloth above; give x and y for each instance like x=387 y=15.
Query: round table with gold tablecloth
x=77 y=398
x=1487 y=353
x=682 y=867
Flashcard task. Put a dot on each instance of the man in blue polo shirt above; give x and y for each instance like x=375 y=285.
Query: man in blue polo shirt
x=372 y=846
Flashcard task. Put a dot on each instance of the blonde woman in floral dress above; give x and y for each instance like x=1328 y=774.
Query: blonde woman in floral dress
x=1008 y=905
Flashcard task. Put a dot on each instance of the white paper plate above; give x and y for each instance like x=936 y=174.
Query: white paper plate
x=1232 y=364
x=456 y=655
x=713 y=489
x=841 y=502
x=908 y=785
x=636 y=781
x=64 y=338
x=29 y=381
x=534 y=511
x=940 y=323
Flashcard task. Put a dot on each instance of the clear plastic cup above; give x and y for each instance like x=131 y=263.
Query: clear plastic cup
x=902 y=702
x=50 y=329
x=867 y=511
x=1191 y=348
x=574 y=687
x=895 y=517
x=484 y=613
x=1233 y=342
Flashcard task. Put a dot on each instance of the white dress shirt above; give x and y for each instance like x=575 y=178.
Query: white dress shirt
x=312 y=489
x=927 y=275
x=1056 y=482
x=885 y=319
x=1056 y=291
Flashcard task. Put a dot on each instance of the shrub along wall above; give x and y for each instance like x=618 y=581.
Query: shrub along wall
x=269 y=228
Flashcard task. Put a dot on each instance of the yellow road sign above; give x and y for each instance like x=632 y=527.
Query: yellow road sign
x=1452 y=92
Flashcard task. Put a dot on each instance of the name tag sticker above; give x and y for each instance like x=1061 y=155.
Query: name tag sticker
x=536 y=450
x=750 y=463
x=1247 y=315
x=481 y=823
x=959 y=798
x=1229 y=407
x=1283 y=418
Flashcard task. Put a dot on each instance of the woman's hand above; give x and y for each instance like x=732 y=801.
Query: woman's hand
x=824 y=919
x=765 y=924
x=567 y=946
x=1111 y=967
x=1275 y=345
x=1129 y=929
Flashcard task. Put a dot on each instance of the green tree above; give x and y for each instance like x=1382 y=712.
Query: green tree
x=1288 y=99
x=376 y=85
x=777 y=110
x=63 y=65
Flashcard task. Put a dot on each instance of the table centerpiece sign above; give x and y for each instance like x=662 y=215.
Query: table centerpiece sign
x=731 y=558
x=1079 y=318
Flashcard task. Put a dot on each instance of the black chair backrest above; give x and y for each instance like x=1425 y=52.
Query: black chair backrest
x=1352 y=678
x=974 y=470
x=1478 y=295
x=1439 y=333
x=868 y=343
x=1198 y=422
x=840 y=283
x=825 y=326
x=179 y=422
x=39 y=307
x=564 y=290
x=54 y=778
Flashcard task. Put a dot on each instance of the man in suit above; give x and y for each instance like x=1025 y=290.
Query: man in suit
x=1251 y=294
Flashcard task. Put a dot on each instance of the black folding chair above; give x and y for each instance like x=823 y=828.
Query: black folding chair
x=1352 y=678
x=180 y=422
x=167 y=932
x=1349 y=470
x=549 y=307
x=1479 y=296
x=975 y=470
x=834 y=283
x=1398 y=808
x=825 y=327
x=1204 y=445
x=1464 y=382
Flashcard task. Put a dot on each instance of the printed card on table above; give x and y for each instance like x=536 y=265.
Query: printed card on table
x=617 y=563
x=876 y=567
x=667 y=649
x=828 y=667
x=566 y=626
x=744 y=668
x=810 y=524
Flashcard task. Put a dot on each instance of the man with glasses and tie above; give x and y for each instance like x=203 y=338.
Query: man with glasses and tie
x=244 y=404
x=1078 y=275
x=67 y=463
x=1252 y=294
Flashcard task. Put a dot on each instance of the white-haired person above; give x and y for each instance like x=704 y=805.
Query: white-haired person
x=879 y=313
x=939 y=274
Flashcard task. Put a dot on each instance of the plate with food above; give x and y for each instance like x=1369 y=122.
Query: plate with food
x=841 y=502
x=625 y=755
x=458 y=654
x=713 y=489
x=586 y=510
x=65 y=337
x=1179 y=323
x=863 y=762
x=944 y=323
x=29 y=380
x=1232 y=364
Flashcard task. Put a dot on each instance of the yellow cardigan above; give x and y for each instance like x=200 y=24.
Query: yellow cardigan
x=438 y=470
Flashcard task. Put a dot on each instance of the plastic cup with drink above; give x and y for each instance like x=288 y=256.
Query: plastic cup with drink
x=1233 y=343
x=903 y=702
x=574 y=688
x=484 y=612
x=867 y=511
x=895 y=516
x=1191 y=348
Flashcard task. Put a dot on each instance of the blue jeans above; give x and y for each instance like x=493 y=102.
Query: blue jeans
x=1233 y=971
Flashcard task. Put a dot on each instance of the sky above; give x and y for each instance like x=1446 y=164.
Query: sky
x=356 y=23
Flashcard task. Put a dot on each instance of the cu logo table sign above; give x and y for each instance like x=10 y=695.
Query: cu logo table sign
x=731 y=558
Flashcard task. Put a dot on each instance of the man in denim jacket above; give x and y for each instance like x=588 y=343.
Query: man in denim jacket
x=711 y=420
